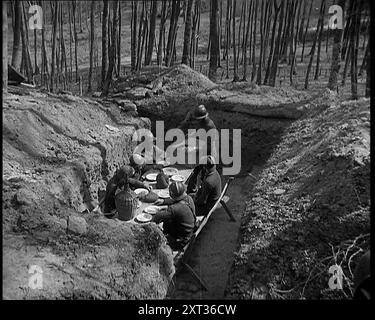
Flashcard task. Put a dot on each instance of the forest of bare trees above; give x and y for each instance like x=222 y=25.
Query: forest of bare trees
x=246 y=41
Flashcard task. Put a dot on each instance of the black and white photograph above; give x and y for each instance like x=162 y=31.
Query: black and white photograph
x=186 y=151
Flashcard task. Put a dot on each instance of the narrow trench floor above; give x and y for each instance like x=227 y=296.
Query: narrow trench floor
x=213 y=251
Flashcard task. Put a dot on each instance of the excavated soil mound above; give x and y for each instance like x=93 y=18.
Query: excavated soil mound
x=169 y=93
x=309 y=210
x=58 y=152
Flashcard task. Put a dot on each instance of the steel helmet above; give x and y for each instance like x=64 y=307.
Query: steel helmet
x=207 y=160
x=177 y=190
x=200 y=112
x=136 y=160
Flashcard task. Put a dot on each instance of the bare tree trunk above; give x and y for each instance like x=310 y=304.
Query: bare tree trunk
x=17 y=44
x=346 y=65
x=262 y=17
x=80 y=17
x=346 y=38
x=354 y=43
x=163 y=19
x=272 y=51
x=276 y=55
x=134 y=36
x=151 y=35
x=5 y=47
x=364 y=61
x=293 y=42
x=239 y=32
x=141 y=32
x=214 y=36
x=268 y=17
x=25 y=45
x=54 y=30
x=92 y=38
x=139 y=40
x=44 y=75
x=187 y=33
x=286 y=33
x=300 y=29
x=220 y=30
x=172 y=31
x=112 y=48
x=145 y=31
x=194 y=36
x=253 y=72
x=119 y=40
x=104 y=40
x=307 y=28
x=294 y=25
x=336 y=54
x=74 y=3
x=243 y=33
x=368 y=72
x=228 y=18
x=320 y=22
x=348 y=25
x=70 y=42
x=62 y=41
x=319 y=48
x=235 y=76
x=244 y=78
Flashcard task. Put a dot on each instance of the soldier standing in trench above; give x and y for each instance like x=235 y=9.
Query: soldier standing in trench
x=199 y=119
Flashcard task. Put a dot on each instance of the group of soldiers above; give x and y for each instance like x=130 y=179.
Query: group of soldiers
x=186 y=202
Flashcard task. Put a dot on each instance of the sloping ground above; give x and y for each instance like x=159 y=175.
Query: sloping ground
x=309 y=209
x=58 y=152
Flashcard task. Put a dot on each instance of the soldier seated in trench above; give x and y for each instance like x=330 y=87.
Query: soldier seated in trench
x=179 y=218
x=135 y=170
x=109 y=204
x=210 y=188
x=133 y=178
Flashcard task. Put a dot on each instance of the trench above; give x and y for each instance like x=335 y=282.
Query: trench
x=213 y=252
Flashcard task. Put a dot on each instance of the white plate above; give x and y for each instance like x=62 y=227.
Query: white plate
x=151 y=176
x=178 y=178
x=141 y=190
x=144 y=217
x=152 y=209
x=164 y=194
x=170 y=171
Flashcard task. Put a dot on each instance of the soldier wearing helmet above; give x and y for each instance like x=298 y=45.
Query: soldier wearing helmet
x=210 y=188
x=179 y=218
x=131 y=173
x=199 y=119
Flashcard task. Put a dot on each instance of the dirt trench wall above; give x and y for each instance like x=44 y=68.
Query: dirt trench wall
x=58 y=152
x=309 y=209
